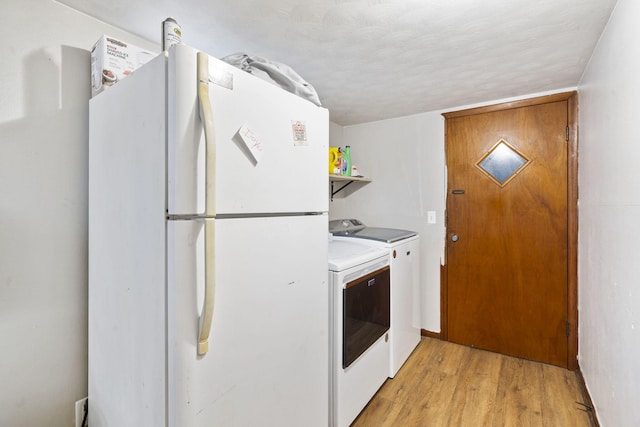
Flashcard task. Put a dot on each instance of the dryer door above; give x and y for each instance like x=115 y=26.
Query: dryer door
x=366 y=313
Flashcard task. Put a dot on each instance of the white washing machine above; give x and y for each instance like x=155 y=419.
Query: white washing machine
x=403 y=247
x=359 y=279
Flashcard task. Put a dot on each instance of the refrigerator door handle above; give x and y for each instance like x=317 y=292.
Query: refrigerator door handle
x=206 y=115
x=209 y=287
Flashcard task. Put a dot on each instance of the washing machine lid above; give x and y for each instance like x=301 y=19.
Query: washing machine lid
x=355 y=228
x=379 y=234
x=347 y=254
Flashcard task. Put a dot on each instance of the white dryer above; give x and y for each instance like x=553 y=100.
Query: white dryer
x=359 y=303
x=403 y=247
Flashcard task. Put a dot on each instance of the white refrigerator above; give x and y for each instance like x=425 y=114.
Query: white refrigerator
x=208 y=294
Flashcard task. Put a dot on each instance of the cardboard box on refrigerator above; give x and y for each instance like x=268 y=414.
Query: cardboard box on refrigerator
x=112 y=60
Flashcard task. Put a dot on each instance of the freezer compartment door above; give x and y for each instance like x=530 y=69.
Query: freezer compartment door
x=266 y=151
x=267 y=359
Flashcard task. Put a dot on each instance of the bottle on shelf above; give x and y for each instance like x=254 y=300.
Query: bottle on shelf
x=346 y=161
x=334 y=161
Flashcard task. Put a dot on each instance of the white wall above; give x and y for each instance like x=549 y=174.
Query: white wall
x=44 y=92
x=609 y=267
x=405 y=159
x=335 y=135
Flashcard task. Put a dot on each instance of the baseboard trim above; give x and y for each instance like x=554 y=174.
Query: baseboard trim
x=588 y=403
x=430 y=334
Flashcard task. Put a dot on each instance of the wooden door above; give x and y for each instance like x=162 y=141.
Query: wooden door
x=509 y=230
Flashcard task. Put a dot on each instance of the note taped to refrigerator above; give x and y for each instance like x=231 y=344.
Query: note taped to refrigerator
x=299 y=132
x=251 y=141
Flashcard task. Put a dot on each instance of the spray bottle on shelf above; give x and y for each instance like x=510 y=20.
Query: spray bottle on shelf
x=346 y=161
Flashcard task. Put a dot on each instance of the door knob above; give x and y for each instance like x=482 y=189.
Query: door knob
x=454 y=238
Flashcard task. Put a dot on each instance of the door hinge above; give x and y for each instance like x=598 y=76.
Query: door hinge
x=567 y=330
x=567 y=134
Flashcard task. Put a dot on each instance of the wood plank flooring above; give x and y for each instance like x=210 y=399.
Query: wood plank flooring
x=446 y=384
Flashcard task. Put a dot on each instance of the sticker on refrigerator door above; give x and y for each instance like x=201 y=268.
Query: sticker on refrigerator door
x=251 y=142
x=299 y=133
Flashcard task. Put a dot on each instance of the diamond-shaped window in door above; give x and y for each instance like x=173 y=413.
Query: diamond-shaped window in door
x=502 y=163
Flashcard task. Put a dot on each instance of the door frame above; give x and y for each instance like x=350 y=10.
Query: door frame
x=572 y=214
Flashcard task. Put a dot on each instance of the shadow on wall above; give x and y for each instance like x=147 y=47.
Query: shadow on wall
x=43 y=244
x=41 y=93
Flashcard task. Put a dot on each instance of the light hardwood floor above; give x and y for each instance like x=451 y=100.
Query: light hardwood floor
x=446 y=384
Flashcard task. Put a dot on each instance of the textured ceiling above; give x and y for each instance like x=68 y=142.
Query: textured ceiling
x=378 y=59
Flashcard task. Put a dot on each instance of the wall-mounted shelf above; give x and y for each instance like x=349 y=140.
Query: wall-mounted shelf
x=344 y=181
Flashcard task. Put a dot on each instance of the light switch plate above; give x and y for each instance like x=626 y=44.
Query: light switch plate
x=431 y=217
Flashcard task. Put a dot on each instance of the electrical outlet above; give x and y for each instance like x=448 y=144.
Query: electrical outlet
x=80 y=410
x=431 y=217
